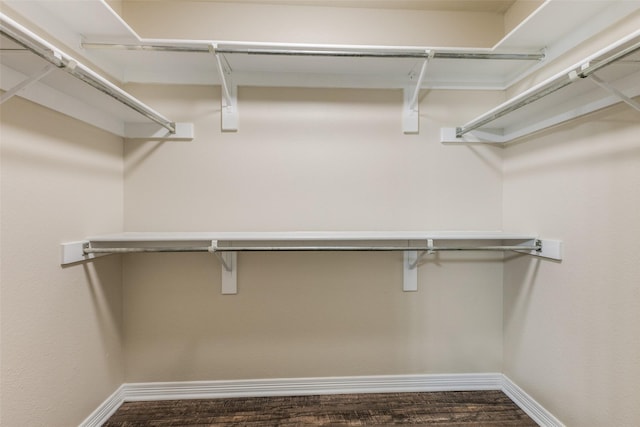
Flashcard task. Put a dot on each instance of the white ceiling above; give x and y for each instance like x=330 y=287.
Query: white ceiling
x=492 y=6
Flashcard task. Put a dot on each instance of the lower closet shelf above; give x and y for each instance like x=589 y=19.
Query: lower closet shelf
x=225 y=246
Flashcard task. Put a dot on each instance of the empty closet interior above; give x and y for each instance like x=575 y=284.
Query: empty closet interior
x=292 y=197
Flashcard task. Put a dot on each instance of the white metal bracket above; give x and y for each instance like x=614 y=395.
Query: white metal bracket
x=230 y=277
x=411 y=105
x=411 y=261
x=34 y=78
x=550 y=249
x=229 y=261
x=230 y=116
x=410 y=272
x=229 y=105
x=410 y=114
x=73 y=252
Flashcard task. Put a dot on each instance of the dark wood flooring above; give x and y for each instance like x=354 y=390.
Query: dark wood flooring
x=461 y=408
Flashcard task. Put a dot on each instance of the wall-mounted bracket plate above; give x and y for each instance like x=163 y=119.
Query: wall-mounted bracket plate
x=410 y=113
x=551 y=249
x=230 y=116
x=410 y=272
x=230 y=277
x=73 y=252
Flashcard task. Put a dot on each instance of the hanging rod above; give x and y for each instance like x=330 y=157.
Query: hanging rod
x=371 y=248
x=407 y=54
x=349 y=53
x=91 y=250
x=48 y=52
x=526 y=98
x=214 y=249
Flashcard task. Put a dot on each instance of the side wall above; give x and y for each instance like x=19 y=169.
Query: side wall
x=61 y=327
x=572 y=329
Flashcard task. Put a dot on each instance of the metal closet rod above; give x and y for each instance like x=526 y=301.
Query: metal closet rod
x=41 y=48
x=587 y=70
x=349 y=53
x=214 y=249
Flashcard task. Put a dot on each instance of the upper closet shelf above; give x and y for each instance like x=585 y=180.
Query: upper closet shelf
x=96 y=32
x=36 y=70
x=607 y=77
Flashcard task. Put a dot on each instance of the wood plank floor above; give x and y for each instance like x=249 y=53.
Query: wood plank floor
x=467 y=408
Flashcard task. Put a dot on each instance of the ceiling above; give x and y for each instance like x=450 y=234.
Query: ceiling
x=491 y=6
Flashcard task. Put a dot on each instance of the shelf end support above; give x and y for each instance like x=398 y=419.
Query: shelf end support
x=74 y=252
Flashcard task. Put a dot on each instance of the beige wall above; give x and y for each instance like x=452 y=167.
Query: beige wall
x=302 y=160
x=572 y=328
x=310 y=24
x=310 y=159
x=61 y=327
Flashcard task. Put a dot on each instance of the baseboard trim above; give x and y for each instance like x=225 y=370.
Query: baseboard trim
x=106 y=409
x=307 y=386
x=529 y=405
x=130 y=392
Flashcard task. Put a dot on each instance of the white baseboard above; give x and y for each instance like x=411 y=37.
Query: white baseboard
x=106 y=409
x=536 y=411
x=130 y=392
x=308 y=386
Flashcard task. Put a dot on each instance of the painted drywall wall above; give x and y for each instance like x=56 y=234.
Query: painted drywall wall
x=572 y=328
x=61 y=327
x=310 y=159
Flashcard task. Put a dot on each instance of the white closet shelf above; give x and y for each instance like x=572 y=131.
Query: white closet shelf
x=226 y=245
x=37 y=70
x=607 y=77
x=96 y=32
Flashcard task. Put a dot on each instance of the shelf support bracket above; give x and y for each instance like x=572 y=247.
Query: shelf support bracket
x=411 y=110
x=229 y=95
x=429 y=251
x=34 y=78
x=606 y=86
x=229 y=261
x=410 y=274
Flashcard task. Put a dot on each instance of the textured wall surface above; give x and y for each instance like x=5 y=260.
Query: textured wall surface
x=61 y=327
x=318 y=160
x=321 y=160
x=572 y=328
